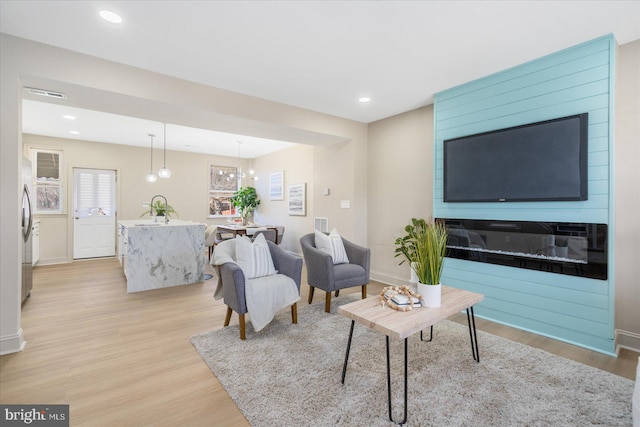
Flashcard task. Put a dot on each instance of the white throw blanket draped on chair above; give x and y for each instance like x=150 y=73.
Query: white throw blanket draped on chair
x=265 y=296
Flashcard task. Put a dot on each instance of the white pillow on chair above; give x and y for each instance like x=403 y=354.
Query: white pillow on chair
x=254 y=258
x=332 y=244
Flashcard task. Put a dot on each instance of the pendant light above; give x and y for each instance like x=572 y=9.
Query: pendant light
x=164 y=172
x=241 y=174
x=150 y=176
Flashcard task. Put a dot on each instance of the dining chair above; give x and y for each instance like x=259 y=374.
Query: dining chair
x=280 y=233
x=269 y=234
x=210 y=238
x=213 y=236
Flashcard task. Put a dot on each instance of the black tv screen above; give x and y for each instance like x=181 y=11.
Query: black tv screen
x=544 y=161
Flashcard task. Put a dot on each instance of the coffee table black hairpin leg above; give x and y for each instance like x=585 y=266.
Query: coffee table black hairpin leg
x=346 y=357
x=471 y=320
x=344 y=373
x=389 y=383
x=430 y=337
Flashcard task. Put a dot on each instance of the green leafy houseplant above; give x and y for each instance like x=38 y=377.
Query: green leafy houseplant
x=159 y=209
x=246 y=200
x=424 y=247
x=406 y=245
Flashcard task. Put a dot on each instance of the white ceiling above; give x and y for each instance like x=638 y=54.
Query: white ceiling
x=322 y=55
x=41 y=118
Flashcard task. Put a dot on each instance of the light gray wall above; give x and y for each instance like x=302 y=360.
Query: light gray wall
x=11 y=335
x=400 y=185
x=627 y=196
x=298 y=167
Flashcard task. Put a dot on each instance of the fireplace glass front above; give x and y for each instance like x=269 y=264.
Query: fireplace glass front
x=577 y=249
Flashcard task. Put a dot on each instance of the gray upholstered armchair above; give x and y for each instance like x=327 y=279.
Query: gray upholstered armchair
x=323 y=274
x=232 y=283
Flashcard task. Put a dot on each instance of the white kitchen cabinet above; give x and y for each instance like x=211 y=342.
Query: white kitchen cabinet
x=35 y=239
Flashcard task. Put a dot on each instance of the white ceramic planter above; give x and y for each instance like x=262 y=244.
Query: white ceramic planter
x=431 y=295
x=414 y=277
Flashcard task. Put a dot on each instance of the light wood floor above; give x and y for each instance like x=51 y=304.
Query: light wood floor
x=126 y=359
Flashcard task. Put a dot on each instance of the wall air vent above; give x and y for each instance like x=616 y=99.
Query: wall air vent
x=321 y=224
x=44 y=92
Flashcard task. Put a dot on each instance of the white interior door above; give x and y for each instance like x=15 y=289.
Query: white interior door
x=94 y=224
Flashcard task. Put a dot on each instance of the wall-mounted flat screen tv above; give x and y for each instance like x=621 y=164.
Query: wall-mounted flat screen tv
x=543 y=161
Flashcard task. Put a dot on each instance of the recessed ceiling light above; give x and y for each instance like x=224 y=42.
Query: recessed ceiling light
x=68 y=117
x=110 y=16
x=74 y=132
x=364 y=99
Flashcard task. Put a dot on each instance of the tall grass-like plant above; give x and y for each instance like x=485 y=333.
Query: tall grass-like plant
x=424 y=246
x=430 y=255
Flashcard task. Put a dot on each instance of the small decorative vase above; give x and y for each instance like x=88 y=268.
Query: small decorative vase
x=431 y=295
x=247 y=218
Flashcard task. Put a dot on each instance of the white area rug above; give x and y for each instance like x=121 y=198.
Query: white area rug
x=289 y=375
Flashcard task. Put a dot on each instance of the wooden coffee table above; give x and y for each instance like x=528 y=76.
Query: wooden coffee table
x=402 y=324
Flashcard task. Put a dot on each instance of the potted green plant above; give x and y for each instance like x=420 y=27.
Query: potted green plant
x=406 y=247
x=160 y=209
x=424 y=246
x=246 y=200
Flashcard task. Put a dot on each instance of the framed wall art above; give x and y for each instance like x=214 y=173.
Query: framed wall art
x=276 y=186
x=297 y=199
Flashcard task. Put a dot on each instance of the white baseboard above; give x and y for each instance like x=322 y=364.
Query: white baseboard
x=12 y=343
x=387 y=280
x=53 y=261
x=628 y=340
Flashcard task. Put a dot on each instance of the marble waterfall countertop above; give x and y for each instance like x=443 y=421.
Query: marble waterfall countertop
x=151 y=223
x=158 y=255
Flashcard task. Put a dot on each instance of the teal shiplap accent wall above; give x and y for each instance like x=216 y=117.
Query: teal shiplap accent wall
x=572 y=81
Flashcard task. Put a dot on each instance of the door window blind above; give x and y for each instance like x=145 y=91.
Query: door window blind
x=94 y=192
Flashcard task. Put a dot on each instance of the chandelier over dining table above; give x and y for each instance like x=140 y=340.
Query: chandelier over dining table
x=240 y=174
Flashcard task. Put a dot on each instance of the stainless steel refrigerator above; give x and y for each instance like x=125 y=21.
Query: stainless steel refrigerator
x=27 y=222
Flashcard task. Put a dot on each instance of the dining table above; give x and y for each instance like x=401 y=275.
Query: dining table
x=241 y=230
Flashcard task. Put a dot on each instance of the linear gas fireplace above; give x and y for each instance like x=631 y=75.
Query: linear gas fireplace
x=577 y=249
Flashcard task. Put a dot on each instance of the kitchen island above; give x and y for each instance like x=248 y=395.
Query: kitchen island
x=158 y=255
